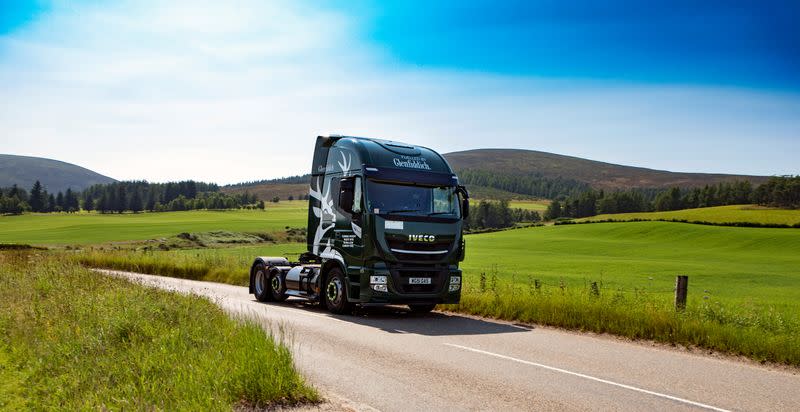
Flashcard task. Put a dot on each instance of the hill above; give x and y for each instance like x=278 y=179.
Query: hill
x=55 y=175
x=599 y=175
x=521 y=174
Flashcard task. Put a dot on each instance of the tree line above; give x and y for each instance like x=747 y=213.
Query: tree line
x=533 y=185
x=283 y=180
x=118 y=197
x=15 y=200
x=782 y=191
x=498 y=215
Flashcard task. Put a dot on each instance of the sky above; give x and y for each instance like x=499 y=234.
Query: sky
x=237 y=91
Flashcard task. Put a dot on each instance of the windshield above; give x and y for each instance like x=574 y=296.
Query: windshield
x=412 y=200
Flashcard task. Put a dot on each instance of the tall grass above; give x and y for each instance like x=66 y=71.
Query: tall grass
x=757 y=332
x=207 y=267
x=752 y=332
x=72 y=339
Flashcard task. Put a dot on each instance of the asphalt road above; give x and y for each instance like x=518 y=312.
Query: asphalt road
x=389 y=359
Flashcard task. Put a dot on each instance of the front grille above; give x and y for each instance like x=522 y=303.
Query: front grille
x=402 y=273
x=421 y=251
x=418 y=246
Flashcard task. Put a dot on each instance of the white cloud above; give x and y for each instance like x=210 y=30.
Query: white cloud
x=228 y=92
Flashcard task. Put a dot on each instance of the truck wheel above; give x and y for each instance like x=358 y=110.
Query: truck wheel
x=334 y=294
x=277 y=286
x=421 y=308
x=261 y=284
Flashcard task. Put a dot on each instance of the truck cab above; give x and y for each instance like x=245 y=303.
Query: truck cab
x=385 y=226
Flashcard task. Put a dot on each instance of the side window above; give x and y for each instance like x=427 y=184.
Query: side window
x=357 y=197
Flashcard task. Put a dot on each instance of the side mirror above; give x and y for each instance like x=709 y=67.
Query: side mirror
x=346 y=189
x=464 y=201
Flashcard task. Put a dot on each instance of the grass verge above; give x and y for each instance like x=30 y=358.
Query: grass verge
x=751 y=332
x=72 y=339
x=207 y=267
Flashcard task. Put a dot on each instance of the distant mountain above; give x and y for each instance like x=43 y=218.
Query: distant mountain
x=598 y=175
x=54 y=175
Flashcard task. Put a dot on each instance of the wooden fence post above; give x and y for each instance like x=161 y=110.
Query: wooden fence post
x=595 y=290
x=681 y=288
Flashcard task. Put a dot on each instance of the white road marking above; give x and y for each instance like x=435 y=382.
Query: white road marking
x=592 y=378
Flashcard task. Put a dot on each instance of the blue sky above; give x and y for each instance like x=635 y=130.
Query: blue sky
x=171 y=90
x=715 y=42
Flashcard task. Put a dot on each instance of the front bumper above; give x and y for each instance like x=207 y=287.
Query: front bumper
x=400 y=291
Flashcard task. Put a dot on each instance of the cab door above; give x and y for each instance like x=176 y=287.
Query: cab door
x=348 y=231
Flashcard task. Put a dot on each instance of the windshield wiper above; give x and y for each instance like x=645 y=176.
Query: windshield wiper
x=402 y=210
x=440 y=213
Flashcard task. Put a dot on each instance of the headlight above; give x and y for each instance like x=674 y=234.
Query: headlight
x=455 y=283
x=380 y=288
x=377 y=280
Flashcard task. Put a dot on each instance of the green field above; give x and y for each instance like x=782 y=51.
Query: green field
x=738 y=265
x=93 y=228
x=71 y=339
x=742 y=264
x=537 y=205
x=744 y=283
x=719 y=214
x=735 y=265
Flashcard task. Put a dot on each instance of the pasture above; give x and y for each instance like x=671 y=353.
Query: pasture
x=741 y=265
x=746 y=265
x=92 y=228
x=736 y=265
x=537 y=205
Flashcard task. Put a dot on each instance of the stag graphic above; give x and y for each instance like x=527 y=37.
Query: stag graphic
x=325 y=209
x=345 y=164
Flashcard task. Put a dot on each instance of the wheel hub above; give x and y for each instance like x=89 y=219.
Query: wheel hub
x=259 y=282
x=333 y=291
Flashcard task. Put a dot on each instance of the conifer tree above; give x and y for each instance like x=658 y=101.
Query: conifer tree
x=88 y=202
x=59 y=202
x=37 y=198
x=51 y=203
x=135 y=203
x=121 y=199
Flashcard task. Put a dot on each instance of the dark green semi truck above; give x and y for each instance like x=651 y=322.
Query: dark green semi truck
x=385 y=224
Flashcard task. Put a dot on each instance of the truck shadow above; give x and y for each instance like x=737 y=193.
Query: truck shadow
x=399 y=319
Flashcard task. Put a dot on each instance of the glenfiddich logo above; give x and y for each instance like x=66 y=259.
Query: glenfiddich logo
x=421 y=238
x=411 y=162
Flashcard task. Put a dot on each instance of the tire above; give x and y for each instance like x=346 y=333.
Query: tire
x=261 y=283
x=421 y=308
x=277 y=286
x=335 y=293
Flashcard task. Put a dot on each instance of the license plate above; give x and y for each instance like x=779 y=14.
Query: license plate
x=419 y=281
